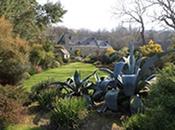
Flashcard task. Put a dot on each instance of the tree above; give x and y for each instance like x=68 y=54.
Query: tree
x=29 y=18
x=166 y=13
x=134 y=11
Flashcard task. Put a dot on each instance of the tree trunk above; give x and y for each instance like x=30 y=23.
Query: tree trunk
x=142 y=33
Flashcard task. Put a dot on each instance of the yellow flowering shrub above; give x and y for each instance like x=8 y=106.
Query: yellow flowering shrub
x=151 y=48
x=109 y=51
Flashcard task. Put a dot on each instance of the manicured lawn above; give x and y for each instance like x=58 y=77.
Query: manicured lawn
x=61 y=73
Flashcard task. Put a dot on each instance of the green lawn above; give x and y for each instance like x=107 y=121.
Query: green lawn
x=22 y=127
x=61 y=73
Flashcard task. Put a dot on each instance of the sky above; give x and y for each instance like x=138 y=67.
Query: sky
x=87 y=14
x=93 y=15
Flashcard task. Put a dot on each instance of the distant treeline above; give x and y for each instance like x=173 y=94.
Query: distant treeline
x=117 y=38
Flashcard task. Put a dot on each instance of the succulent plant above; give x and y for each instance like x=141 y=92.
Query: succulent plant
x=136 y=105
x=124 y=79
x=77 y=86
x=111 y=99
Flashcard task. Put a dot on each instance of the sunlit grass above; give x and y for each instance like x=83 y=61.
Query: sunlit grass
x=61 y=73
x=22 y=127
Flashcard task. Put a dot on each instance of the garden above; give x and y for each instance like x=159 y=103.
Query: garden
x=128 y=88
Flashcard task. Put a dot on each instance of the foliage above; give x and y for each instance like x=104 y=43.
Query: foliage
x=151 y=48
x=13 y=55
x=160 y=107
x=11 y=109
x=109 y=51
x=44 y=95
x=29 y=18
x=37 y=54
x=78 y=86
x=68 y=113
x=78 y=52
x=42 y=55
x=121 y=84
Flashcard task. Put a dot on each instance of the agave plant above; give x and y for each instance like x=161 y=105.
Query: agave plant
x=127 y=78
x=75 y=86
x=124 y=79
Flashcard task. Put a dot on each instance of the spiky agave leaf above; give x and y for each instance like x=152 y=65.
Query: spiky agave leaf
x=130 y=83
x=107 y=71
x=97 y=77
x=111 y=99
x=118 y=69
x=89 y=76
x=76 y=78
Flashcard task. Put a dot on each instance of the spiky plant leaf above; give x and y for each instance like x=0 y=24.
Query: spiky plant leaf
x=118 y=69
x=111 y=99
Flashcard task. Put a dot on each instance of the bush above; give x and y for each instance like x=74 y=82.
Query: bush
x=159 y=114
x=13 y=55
x=37 y=54
x=11 y=109
x=42 y=55
x=151 y=48
x=78 y=52
x=68 y=113
x=109 y=51
x=44 y=94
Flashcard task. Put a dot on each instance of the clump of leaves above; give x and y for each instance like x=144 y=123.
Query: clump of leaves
x=45 y=94
x=68 y=113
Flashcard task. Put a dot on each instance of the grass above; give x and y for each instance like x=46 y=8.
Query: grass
x=61 y=73
x=22 y=127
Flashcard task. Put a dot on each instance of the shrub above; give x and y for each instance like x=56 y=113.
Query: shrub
x=109 y=51
x=151 y=48
x=44 y=94
x=37 y=54
x=13 y=55
x=48 y=61
x=46 y=98
x=78 y=52
x=160 y=105
x=68 y=113
x=41 y=55
x=11 y=109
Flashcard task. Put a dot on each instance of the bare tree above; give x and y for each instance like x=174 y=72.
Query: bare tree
x=133 y=12
x=166 y=13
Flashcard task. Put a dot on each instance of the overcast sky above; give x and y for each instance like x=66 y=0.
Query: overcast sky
x=89 y=14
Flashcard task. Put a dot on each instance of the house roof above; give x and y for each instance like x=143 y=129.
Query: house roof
x=94 y=42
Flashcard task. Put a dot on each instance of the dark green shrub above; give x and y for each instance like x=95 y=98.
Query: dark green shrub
x=68 y=113
x=37 y=54
x=44 y=94
x=11 y=71
x=159 y=114
x=46 y=98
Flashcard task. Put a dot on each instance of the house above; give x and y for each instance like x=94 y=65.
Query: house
x=87 y=46
x=61 y=51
